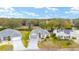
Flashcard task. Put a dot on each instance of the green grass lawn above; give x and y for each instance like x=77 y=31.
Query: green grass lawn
x=25 y=37
x=7 y=46
x=53 y=42
x=64 y=43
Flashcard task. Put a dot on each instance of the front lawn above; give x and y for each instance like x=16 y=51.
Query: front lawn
x=54 y=42
x=25 y=37
x=6 y=46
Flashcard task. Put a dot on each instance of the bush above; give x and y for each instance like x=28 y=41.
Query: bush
x=8 y=38
x=47 y=36
x=53 y=35
x=2 y=29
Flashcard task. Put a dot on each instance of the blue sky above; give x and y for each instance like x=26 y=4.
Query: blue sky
x=39 y=12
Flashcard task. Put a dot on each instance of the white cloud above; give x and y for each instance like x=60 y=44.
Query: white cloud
x=52 y=9
x=31 y=14
x=66 y=12
x=36 y=7
x=39 y=3
x=73 y=10
x=6 y=10
x=11 y=12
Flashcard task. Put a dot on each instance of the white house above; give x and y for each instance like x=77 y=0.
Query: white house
x=35 y=36
x=15 y=36
x=67 y=34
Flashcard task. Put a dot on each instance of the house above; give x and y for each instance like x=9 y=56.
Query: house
x=67 y=34
x=14 y=36
x=9 y=33
x=39 y=33
x=36 y=36
x=63 y=34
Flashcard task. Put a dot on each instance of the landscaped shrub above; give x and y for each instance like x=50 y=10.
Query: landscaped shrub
x=47 y=36
x=69 y=43
x=53 y=35
x=8 y=38
x=2 y=29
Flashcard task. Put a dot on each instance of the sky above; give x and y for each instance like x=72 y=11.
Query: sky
x=39 y=3
x=39 y=12
x=39 y=9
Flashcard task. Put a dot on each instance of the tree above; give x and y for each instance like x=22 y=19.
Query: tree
x=11 y=24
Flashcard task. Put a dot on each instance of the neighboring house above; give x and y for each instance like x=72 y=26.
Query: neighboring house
x=37 y=35
x=14 y=36
x=9 y=32
x=63 y=34
x=40 y=33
